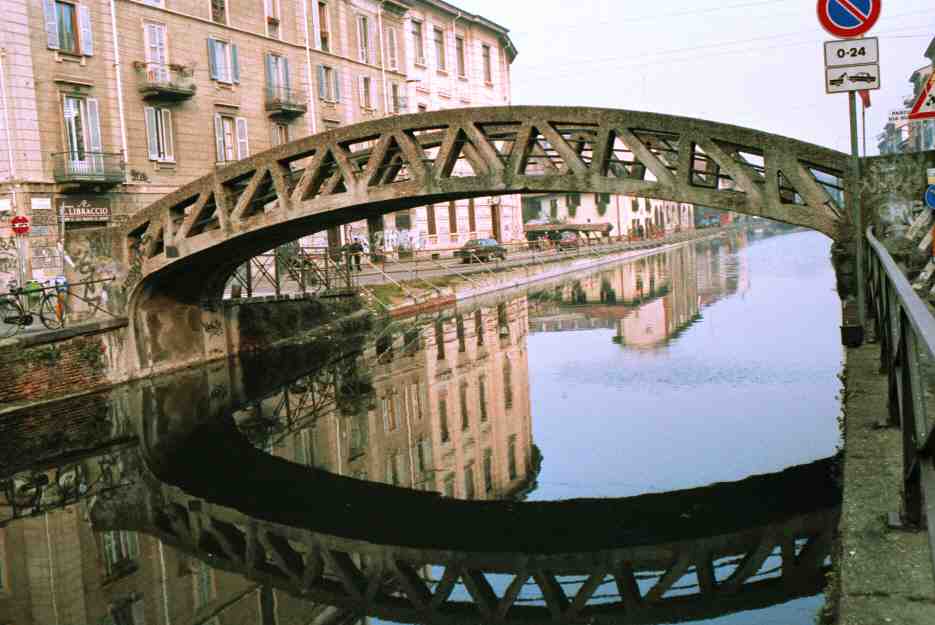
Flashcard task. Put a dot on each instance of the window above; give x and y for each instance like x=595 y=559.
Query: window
x=204 y=584
x=416 y=401
x=392 y=49
x=157 y=57
x=388 y=409
x=365 y=89
x=363 y=39
x=159 y=134
x=322 y=32
x=231 y=137
x=272 y=18
x=440 y=49
x=507 y=384
x=120 y=549
x=459 y=326
x=443 y=419
x=68 y=27
x=280 y=133
x=223 y=63
x=511 y=457
x=440 y=340
x=469 y=480
x=82 y=126
x=479 y=326
x=460 y=59
x=424 y=455
x=553 y=208
x=417 y=43
x=278 y=84
x=465 y=420
x=488 y=70
x=329 y=84
x=219 y=11
x=398 y=101
x=358 y=444
x=488 y=470
x=482 y=397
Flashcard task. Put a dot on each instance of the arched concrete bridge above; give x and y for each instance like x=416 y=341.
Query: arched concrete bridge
x=182 y=249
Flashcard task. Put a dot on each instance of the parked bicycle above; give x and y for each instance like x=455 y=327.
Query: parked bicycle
x=20 y=306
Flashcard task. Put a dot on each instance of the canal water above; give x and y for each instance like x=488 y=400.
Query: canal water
x=652 y=441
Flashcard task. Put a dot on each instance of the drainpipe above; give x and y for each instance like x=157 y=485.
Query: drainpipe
x=118 y=69
x=308 y=71
x=6 y=118
x=386 y=97
x=165 y=587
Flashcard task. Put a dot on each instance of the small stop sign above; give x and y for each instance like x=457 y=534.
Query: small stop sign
x=20 y=225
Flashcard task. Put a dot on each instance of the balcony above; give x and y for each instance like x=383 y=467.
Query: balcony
x=283 y=102
x=165 y=83
x=88 y=168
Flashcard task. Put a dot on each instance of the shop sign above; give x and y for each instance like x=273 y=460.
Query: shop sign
x=41 y=203
x=83 y=209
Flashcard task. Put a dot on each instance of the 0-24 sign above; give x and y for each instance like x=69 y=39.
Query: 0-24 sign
x=846 y=52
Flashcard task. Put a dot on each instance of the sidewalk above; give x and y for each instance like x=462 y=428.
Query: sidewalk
x=883 y=575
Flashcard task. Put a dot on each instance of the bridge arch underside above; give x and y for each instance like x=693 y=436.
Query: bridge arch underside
x=183 y=248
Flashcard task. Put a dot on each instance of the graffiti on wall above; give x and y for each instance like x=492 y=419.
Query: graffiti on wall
x=89 y=261
x=9 y=263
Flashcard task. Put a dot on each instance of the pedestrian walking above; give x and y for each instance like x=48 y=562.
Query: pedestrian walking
x=357 y=251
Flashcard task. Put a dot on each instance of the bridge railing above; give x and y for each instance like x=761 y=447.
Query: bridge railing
x=905 y=329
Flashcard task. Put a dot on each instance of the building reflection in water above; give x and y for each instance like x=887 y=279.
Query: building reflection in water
x=650 y=300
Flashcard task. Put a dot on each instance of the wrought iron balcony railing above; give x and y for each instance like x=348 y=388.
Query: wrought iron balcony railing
x=168 y=83
x=88 y=167
x=284 y=101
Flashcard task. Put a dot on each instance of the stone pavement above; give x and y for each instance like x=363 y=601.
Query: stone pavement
x=882 y=575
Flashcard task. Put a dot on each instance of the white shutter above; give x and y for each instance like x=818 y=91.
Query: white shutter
x=373 y=38
x=152 y=132
x=361 y=35
x=94 y=126
x=316 y=25
x=51 y=24
x=360 y=91
x=243 y=143
x=337 y=85
x=219 y=138
x=87 y=36
x=392 y=53
x=322 y=83
x=168 y=146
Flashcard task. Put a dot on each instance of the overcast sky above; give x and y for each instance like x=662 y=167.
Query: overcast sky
x=755 y=63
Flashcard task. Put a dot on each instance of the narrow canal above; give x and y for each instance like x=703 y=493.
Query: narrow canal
x=651 y=442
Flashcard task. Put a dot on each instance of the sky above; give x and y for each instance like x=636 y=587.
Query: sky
x=754 y=63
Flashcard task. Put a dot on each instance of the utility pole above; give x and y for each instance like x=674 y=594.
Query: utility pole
x=857 y=216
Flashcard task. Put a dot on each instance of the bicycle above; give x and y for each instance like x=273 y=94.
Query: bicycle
x=19 y=306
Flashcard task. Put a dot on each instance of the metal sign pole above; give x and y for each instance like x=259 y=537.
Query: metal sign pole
x=858 y=221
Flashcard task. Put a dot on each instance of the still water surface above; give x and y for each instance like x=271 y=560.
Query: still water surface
x=708 y=363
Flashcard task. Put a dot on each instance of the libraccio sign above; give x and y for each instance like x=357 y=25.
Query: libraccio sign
x=84 y=209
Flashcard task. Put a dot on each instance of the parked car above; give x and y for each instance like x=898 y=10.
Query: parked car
x=862 y=77
x=568 y=241
x=480 y=249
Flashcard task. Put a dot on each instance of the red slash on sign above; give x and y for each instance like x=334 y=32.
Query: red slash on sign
x=20 y=225
x=848 y=18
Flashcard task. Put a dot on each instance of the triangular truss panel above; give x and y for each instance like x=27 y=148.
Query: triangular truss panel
x=326 y=178
x=707 y=172
x=459 y=157
x=537 y=156
x=832 y=182
x=393 y=167
x=663 y=145
x=358 y=152
x=581 y=138
x=620 y=160
x=502 y=137
x=788 y=194
x=205 y=217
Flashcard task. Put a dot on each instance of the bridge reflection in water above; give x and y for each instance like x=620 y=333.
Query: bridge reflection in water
x=245 y=470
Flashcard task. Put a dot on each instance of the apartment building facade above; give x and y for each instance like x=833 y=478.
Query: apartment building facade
x=108 y=105
x=625 y=214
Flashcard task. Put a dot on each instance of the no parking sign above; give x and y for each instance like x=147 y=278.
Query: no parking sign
x=848 y=18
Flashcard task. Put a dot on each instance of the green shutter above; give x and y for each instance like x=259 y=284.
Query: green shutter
x=212 y=59
x=235 y=64
x=51 y=24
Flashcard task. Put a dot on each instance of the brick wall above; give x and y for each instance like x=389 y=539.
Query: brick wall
x=53 y=369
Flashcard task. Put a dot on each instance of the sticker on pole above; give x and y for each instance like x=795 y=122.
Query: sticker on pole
x=930 y=196
x=924 y=108
x=848 y=18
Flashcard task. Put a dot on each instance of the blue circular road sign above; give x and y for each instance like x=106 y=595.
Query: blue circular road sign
x=930 y=196
x=848 y=18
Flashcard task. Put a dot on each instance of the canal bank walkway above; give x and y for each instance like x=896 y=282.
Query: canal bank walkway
x=881 y=575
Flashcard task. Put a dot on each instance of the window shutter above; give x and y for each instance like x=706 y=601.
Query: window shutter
x=151 y=133
x=51 y=24
x=219 y=137
x=360 y=91
x=212 y=59
x=94 y=126
x=361 y=33
x=322 y=87
x=271 y=82
x=87 y=36
x=286 y=81
x=372 y=48
x=316 y=25
x=337 y=85
x=168 y=145
x=235 y=64
x=391 y=49
x=243 y=143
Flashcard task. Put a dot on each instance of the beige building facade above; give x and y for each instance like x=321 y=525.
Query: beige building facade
x=108 y=105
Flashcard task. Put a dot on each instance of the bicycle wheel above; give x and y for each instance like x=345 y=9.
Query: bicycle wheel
x=10 y=314
x=49 y=314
